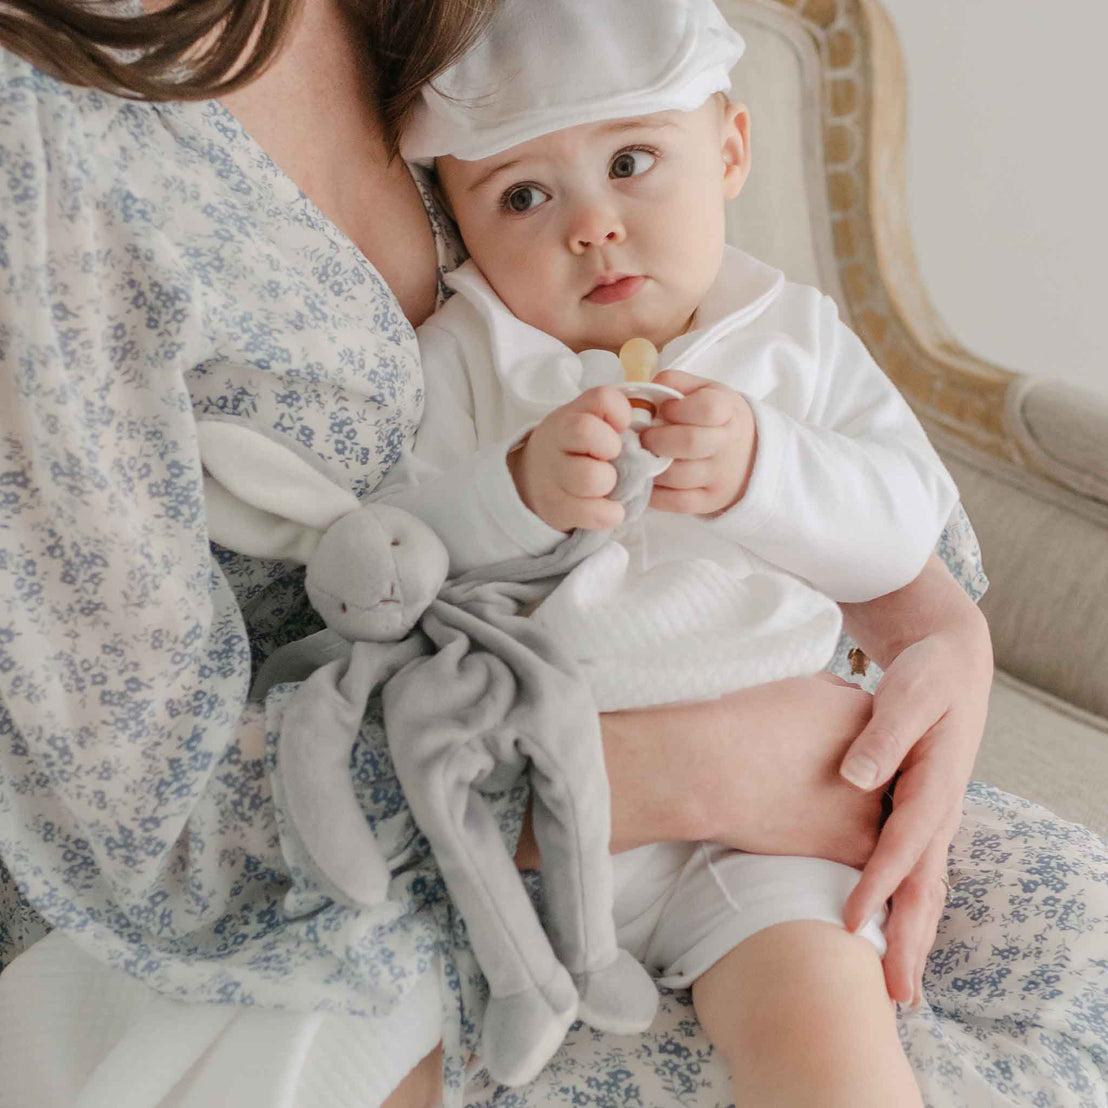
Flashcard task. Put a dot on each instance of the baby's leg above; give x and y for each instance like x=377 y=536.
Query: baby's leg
x=800 y=1013
x=795 y=1004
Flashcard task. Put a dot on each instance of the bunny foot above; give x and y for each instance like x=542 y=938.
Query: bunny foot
x=621 y=997
x=523 y=1031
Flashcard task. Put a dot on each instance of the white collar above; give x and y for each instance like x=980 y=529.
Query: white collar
x=541 y=373
x=742 y=290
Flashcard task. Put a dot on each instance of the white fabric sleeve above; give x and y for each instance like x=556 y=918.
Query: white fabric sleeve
x=124 y=664
x=459 y=487
x=847 y=493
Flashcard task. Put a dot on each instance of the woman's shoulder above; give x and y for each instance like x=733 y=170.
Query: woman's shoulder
x=32 y=101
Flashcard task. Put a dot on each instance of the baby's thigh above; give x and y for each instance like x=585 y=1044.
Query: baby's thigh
x=686 y=905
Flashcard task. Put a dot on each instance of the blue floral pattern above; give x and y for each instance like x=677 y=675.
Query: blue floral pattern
x=156 y=265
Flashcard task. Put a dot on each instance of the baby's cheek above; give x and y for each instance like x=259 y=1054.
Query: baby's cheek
x=536 y=304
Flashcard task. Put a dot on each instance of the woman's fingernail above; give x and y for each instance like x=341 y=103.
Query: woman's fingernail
x=860 y=771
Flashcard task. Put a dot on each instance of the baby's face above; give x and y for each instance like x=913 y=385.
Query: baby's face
x=606 y=231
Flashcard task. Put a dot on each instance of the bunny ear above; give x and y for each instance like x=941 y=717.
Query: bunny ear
x=261 y=497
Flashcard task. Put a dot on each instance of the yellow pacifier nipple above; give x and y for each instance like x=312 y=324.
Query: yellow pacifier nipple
x=639 y=358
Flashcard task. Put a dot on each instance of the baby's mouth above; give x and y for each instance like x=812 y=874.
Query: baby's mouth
x=611 y=288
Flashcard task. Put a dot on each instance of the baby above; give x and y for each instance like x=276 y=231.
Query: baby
x=586 y=153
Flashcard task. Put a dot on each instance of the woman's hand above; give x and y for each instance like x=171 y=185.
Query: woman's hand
x=928 y=715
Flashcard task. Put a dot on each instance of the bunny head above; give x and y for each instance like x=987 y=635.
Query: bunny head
x=374 y=572
x=372 y=568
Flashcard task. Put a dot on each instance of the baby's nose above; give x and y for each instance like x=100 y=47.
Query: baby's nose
x=594 y=227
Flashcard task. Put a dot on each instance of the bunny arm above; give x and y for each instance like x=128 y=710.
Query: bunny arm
x=317 y=736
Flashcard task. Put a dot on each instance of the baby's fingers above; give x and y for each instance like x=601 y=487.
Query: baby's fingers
x=585 y=433
x=605 y=402
x=710 y=406
x=683 y=382
x=582 y=477
x=596 y=514
x=699 y=474
x=684 y=441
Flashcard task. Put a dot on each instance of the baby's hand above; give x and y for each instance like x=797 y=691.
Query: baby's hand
x=710 y=434
x=563 y=472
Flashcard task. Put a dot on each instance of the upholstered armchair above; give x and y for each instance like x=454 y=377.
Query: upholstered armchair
x=826 y=202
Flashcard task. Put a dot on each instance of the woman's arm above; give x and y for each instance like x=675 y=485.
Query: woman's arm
x=757 y=769
x=928 y=715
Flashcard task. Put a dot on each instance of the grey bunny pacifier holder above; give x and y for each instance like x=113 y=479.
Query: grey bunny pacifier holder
x=474 y=694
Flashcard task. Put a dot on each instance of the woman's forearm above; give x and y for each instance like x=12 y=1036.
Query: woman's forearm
x=661 y=763
x=733 y=769
x=933 y=603
x=757 y=770
x=652 y=798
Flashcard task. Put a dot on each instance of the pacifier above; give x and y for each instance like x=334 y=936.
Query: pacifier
x=639 y=359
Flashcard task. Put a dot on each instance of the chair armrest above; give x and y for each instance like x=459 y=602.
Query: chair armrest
x=1063 y=431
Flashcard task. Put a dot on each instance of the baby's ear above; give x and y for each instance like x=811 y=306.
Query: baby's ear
x=735 y=131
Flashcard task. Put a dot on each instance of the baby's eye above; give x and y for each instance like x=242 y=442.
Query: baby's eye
x=631 y=163
x=523 y=198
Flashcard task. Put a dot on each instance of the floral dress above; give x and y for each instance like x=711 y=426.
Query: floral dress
x=156 y=265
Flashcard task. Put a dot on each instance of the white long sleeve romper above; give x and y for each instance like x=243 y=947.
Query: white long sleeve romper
x=846 y=501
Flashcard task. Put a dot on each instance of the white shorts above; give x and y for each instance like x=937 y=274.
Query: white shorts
x=680 y=907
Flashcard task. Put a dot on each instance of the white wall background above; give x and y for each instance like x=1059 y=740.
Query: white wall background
x=1008 y=176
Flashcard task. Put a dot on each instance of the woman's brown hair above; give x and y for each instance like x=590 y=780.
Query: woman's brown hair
x=409 y=42
x=198 y=49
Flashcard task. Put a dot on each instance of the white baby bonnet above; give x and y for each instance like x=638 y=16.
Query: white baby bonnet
x=544 y=65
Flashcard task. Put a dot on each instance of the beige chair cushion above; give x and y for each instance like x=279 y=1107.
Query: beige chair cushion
x=1042 y=748
x=1046 y=554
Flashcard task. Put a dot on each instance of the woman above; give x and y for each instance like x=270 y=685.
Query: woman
x=152 y=252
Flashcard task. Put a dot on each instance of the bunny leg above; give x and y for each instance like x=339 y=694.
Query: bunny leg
x=572 y=824
x=533 y=1001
